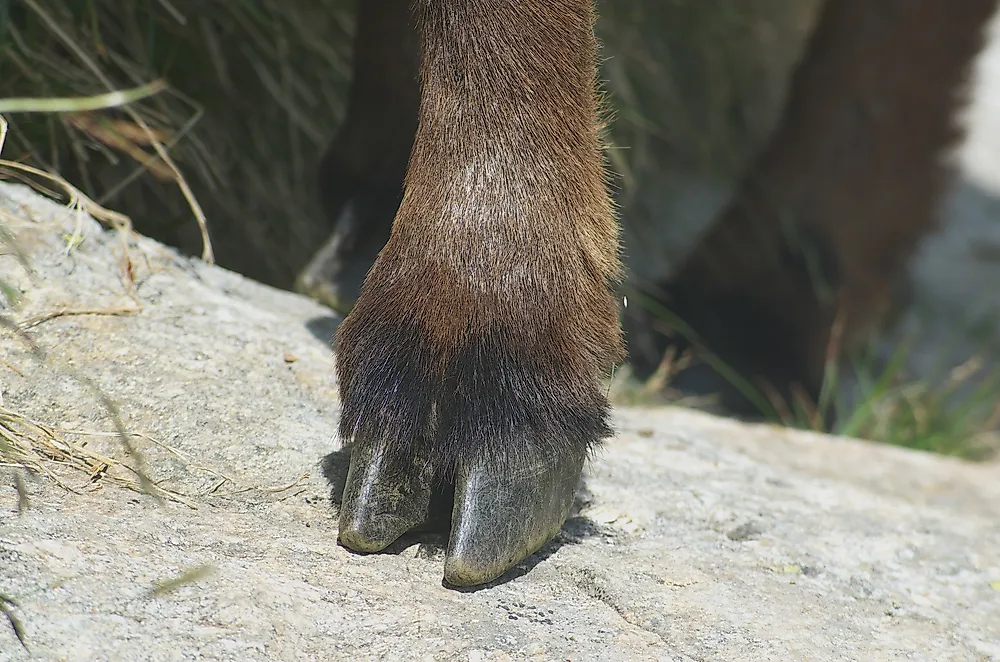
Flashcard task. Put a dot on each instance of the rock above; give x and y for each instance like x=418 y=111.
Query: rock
x=700 y=538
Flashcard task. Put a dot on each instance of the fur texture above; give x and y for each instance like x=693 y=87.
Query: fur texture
x=485 y=324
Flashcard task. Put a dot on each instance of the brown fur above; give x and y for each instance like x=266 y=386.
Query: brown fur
x=833 y=209
x=488 y=318
x=492 y=301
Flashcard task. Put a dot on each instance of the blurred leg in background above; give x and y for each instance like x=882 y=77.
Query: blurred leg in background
x=802 y=262
x=361 y=174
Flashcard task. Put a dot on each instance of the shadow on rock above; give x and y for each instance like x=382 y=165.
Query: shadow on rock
x=323 y=328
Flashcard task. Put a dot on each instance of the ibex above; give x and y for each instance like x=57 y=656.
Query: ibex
x=473 y=356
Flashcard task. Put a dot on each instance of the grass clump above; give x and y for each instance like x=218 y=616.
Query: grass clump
x=950 y=410
x=256 y=90
x=27 y=445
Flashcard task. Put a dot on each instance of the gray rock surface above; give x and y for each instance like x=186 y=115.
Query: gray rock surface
x=700 y=539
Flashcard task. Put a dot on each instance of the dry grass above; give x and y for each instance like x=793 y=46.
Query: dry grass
x=40 y=449
x=255 y=92
x=26 y=444
x=29 y=447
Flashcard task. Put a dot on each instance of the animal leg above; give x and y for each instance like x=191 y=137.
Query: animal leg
x=474 y=353
x=827 y=219
x=361 y=173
